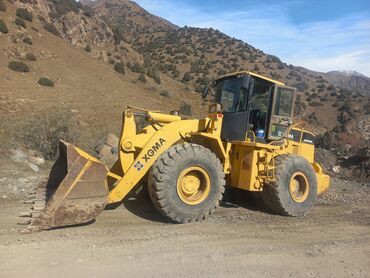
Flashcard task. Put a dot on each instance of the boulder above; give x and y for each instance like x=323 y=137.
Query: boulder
x=36 y=160
x=112 y=140
x=336 y=169
x=34 y=167
x=18 y=156
x=105 y=151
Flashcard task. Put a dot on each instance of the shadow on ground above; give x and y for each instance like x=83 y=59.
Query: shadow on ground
x=141 y=205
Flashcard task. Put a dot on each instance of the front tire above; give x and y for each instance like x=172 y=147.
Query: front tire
x=294 y=191
x=186 y=183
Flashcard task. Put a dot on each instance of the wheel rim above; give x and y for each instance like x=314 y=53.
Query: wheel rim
x=299 y=187
x=193 y=185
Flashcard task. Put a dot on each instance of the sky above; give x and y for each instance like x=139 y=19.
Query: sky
x=319 y=35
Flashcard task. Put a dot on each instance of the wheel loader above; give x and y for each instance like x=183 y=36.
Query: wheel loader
x=248 y=141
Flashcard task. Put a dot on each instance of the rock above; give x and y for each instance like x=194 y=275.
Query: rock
x=36 y=160
x=34 y=167
x=105 y=151
x=336 y=169
x=112 y=140
x=347 y=148
x=18 y=156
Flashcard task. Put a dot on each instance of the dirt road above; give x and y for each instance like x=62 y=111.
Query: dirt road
x=239 y=240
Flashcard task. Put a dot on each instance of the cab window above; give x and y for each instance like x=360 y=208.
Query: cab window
x=283 y=105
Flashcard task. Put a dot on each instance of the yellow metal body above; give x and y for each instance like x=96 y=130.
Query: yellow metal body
x=249 y=164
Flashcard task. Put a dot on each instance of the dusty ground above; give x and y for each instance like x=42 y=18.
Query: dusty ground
x=239 y=240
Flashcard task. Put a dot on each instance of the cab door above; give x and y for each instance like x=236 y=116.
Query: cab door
x=281 y=112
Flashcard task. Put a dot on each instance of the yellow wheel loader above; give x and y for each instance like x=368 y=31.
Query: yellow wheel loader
x=248 y=141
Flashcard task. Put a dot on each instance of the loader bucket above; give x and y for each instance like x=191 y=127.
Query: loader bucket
x=75 y=193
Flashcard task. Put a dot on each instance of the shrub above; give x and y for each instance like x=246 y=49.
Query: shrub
x=46 y=82
x=187 y=77
x=42 y=131
x=27 y=40
x=30 y=57
x=142 y=78
x=18 y=66
x=2 y=6
x=165 y=93
x=120 y=67
x=52 y=29
x=3 y=27
x=301 y=86
x=64 y=6
x=155 y=75
x=20 y=22
x=136 y=67
x=24 y=13
x=185 y=109
x=87 y=11
x=88 y=48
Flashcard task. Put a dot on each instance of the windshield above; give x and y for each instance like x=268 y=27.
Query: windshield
x=227 y=94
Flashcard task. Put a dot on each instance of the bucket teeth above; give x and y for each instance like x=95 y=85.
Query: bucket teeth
x=37 y=198
x=25 y=222
x=25 y=214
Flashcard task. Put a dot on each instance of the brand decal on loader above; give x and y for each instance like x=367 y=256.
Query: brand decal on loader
x=138 y=165
x=149 y=154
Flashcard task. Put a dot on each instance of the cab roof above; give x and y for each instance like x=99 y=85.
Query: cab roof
x=252 y=74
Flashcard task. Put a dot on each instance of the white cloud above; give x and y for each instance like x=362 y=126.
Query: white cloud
x=343 y=43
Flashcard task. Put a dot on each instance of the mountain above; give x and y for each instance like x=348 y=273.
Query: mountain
x=351 y=80
x=164 y=66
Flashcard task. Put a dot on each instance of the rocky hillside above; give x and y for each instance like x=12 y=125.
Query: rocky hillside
x=351 y=80
x=150 y=54
x=332 y=104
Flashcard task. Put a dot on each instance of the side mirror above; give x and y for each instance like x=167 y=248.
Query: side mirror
x=205 y=92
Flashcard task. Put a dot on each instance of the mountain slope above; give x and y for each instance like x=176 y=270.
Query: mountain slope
x=180 y=60
x=351 y=80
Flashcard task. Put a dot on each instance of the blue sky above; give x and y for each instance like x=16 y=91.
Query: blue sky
x=320 y=35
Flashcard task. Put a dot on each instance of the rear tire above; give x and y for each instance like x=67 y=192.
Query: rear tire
x=186 y=183
x=294 y=191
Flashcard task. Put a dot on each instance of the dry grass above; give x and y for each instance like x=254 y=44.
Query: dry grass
x=42 y=131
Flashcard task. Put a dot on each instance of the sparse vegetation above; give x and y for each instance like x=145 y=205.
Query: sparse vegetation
x=185 y=109
x=28 y=40
x=120 y=67
x=155 y=75
x=46 y=82
x=51 y=28
x=20 y=22
x=87 y=48
x=142 y=78
x=165 y=93
x=18 y=66
x=2 y=6
x=64 y=6
x=187 y=77
x=24 y=14
x=3 y=27
x=30 y=57
x=43 y=130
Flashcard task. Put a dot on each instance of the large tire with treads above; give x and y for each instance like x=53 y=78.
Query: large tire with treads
x=186 y=183
x=294 y=191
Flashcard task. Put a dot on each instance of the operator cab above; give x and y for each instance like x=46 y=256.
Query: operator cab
x=254 y=107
